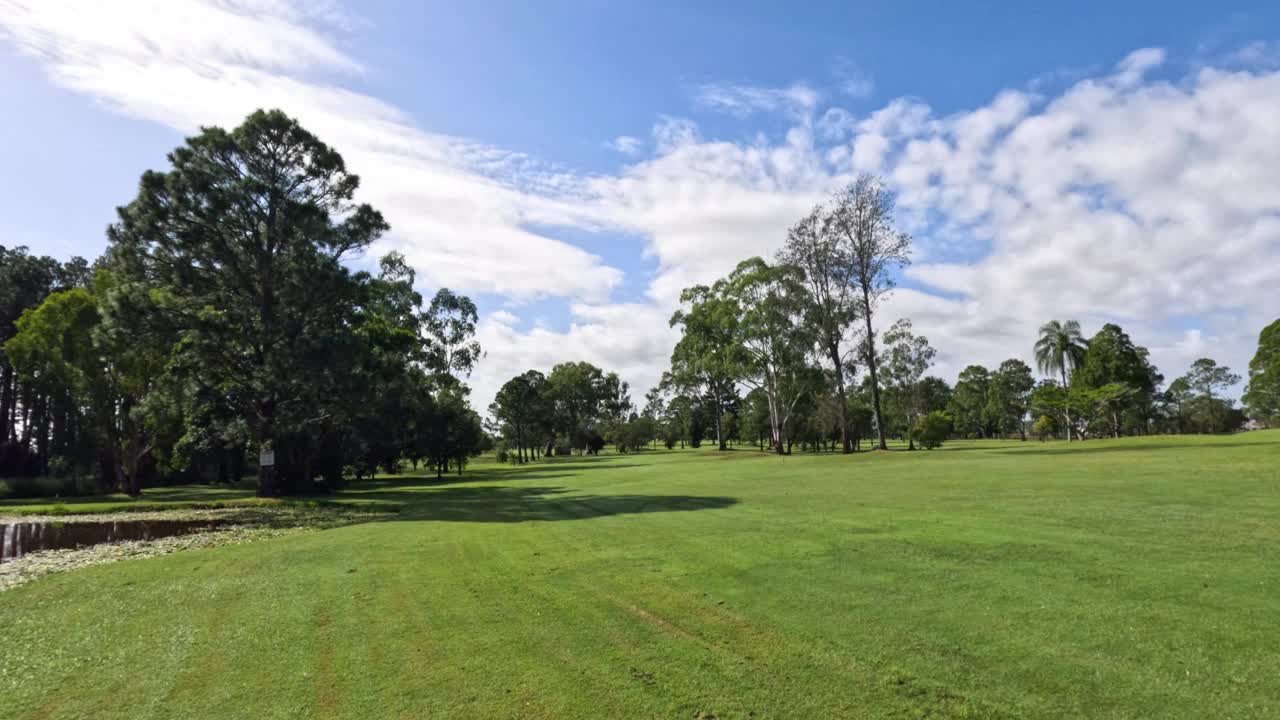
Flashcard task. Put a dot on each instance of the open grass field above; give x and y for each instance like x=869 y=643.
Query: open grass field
x=1135 y=578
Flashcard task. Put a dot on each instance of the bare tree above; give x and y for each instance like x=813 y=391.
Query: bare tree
x=831 y=308
x=862 y=217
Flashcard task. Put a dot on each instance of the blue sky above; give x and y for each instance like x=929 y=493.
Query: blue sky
x=572 y=164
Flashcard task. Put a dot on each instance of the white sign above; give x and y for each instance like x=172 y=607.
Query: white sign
x=267 y=458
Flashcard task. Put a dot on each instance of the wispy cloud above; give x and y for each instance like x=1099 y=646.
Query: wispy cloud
x=743 y=100
x=625 y=144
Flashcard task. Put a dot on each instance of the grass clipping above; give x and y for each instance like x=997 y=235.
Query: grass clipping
x=236 y=525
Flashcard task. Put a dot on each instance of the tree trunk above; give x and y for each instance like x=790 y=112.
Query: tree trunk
x=842 y=397
x=1067 y=409
x=871 y=366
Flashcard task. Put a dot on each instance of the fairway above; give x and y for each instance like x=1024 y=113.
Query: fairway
x=1131 y=578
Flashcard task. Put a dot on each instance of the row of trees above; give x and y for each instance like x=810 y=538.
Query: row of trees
x=797 y=335
x=223 y=321
x=574 y=407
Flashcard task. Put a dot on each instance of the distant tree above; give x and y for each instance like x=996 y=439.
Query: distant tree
x=708 y=355
x=1208 y=377
x=774 y=339
x=969 y=401
x=1009 y=396
x=907 y=358
x=861 y=215
x=1177 y=399
x=1112 y=357
x=1060 y=349
x=1262 y=396
x=815 y=246
x=451 y=327
x=935 y=394
x=522 y=404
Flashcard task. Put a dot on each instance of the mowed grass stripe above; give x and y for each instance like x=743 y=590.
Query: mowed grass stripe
x=1116 y=579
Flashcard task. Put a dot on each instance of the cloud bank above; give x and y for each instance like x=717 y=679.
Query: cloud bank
x=1130 y=196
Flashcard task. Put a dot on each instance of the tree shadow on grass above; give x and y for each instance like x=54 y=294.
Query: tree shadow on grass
x=1089 y=446
x=506 y=504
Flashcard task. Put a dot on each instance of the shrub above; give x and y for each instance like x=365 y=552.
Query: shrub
x=1043 y=427
x=932 y=429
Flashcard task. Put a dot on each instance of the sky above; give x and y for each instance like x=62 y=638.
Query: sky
x=573 y=164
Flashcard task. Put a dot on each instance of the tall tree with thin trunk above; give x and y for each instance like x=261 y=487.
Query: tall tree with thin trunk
x=828 y=269
x=861 y=216
x=1060 y=349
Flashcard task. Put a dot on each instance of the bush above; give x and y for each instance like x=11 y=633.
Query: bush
x=1043 y=427
x=932 y=429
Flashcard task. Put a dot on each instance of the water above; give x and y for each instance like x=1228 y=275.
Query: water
x=18 y=539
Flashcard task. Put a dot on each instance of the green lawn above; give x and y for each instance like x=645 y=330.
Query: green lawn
x=1135 y=578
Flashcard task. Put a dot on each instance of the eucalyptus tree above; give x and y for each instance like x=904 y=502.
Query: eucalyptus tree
x=522 y=404
x=242 y=242
x=861 y=216
x=829 y=273
x=774 y=339
x=1061 y=349
x=907 y=358
x=1262 y=395
x=450 y=324
x=705 y=358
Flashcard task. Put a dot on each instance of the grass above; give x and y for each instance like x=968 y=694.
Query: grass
x=1132 y=578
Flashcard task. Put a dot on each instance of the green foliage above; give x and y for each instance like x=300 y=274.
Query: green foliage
x=932 y=429
x=1009 y=397
x=1262 y=396
x=1044 y=428
x=969 y=402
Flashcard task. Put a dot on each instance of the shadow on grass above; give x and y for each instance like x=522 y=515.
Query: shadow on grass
x=1101 y=446
x=506 y=504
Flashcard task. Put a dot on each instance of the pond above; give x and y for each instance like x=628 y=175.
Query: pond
x=19 y=538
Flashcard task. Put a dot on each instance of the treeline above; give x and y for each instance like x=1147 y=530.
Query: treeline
x=223 y=325
x=783 y=353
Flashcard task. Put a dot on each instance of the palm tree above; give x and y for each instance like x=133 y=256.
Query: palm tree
x=1059 y=350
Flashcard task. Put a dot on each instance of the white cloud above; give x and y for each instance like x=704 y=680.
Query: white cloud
x=625 y=144
x=854 y=81
x=1121 y=198
x=459 y=210
x=743 y=100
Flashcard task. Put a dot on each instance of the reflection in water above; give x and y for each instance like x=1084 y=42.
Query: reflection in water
x=18 y=539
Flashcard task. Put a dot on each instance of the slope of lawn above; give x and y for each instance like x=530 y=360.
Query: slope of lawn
x=1133 y=578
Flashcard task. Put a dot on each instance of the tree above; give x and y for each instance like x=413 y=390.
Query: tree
x=907 y=358
x=1207 y=377
x=1112 y=357
x=1263 y=393
x=862 y=217
x=706 y=357
x=814 y=246
x=580 y=395
x=241 y=243
x=1009 y=396
x=774 y=340
x=522 y=404
x=451 y=327
x=1060 y=349
x=969 y=401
